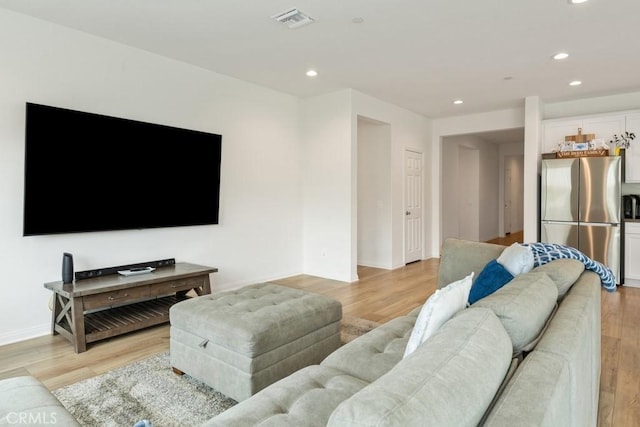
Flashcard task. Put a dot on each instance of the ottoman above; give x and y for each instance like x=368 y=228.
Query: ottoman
x=239 y=342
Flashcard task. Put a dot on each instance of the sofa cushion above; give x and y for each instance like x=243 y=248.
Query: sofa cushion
x=563 y=272
x=537 y=395
x=523 y=306
x=373 y=354
x=517 y=259
x=305 y=398
x=450 y=380
x=439 y=308
x=492 y=277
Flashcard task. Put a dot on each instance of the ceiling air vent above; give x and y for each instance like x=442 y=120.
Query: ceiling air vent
x=293 y=18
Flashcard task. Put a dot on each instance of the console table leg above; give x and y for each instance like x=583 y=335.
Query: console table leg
x=77 y=315
x=205 y=289
x=55 y=310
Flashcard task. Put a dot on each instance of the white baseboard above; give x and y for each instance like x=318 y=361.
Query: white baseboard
x=374 y=265
x=25 y=334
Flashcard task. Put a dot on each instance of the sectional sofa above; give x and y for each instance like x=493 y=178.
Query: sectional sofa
x=527 y=354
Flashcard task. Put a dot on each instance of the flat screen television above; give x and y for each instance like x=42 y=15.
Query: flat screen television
x=89 y=172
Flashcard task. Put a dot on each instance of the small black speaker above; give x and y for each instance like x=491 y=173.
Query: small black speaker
x=67 y=268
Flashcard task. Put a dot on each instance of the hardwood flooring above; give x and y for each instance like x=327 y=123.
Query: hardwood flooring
x=379 y=295
x=509 y=239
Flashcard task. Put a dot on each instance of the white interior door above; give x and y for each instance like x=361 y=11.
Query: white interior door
x=413 y=207
x=507 y=201
x=468 y=194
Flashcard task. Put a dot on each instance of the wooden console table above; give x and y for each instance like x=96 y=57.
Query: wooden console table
x=94 y=309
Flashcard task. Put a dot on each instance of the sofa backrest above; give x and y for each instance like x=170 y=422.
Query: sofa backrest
x=458 y=258
x=558 y=383
x=523 y=306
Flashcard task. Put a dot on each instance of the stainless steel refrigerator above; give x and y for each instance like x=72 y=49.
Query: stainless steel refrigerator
x=581 y=207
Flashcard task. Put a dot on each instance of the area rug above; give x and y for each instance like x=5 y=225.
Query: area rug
x=149 y=390
x=352 y=327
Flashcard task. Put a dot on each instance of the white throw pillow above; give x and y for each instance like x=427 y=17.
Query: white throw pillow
x=440 y=307
x=517 y=259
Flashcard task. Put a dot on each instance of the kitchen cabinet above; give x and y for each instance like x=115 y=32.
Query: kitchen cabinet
x=555 y=132
x=632 y=254
x=632 y=154
x=602 y=126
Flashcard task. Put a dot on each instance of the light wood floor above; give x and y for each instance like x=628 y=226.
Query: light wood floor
x=380 y=295
x=515 y=237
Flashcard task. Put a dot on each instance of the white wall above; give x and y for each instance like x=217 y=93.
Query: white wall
x=327 y=186
x=409 y=131
x=330 y=129
x=374 y=194
x=260 y=234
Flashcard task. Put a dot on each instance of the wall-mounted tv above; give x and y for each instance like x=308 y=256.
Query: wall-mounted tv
x=90 y=172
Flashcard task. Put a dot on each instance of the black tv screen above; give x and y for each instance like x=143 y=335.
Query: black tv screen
x=90 y=172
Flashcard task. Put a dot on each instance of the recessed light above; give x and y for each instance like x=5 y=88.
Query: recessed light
x=458 y=101
x=575 y=83
x=577 y=1
x=560 y=55
x=312 y=73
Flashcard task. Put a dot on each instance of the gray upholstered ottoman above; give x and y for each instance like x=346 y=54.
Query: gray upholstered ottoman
x=239 y=342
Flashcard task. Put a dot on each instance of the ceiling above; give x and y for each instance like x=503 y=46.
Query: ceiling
x=417 y=54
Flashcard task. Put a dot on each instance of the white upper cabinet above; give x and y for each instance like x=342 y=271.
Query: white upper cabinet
x=603 y=127
x=555 y=132
x=632 y=161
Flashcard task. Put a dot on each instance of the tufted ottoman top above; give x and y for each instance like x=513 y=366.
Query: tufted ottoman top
x=255 y=319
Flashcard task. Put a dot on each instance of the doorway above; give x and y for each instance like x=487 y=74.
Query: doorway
x=374 y=194
x=474 y=189
x=513 y=194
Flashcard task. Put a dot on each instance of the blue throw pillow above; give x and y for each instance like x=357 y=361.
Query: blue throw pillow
x=492 y=277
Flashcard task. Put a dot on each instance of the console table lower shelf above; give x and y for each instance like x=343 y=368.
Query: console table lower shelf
x=120 y=320
x=95 y=309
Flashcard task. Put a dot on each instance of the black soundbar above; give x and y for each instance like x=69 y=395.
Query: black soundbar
x=89 y=274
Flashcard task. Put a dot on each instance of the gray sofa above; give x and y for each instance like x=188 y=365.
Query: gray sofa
x=526 y=355
x=26 y=401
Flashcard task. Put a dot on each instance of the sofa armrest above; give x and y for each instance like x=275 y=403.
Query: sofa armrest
x=26 y=401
